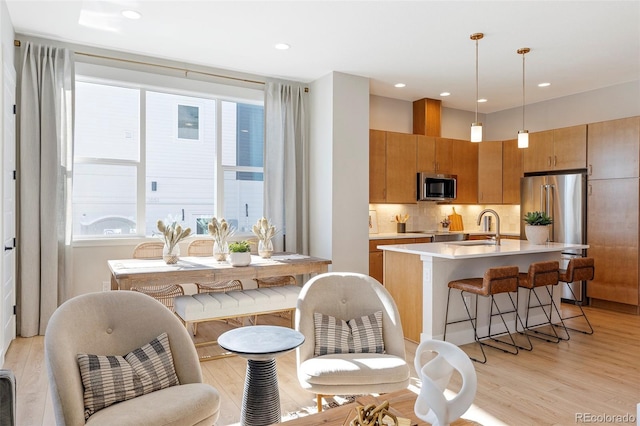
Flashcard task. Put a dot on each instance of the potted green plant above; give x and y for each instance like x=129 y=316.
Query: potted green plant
x=239 y=253
x=537 y=227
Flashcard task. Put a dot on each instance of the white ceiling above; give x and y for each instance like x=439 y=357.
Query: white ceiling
x=577 y=46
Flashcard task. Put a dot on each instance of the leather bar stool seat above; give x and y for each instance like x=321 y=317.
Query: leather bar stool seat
x=503 y=279
x=578 y=269
x=547 y=275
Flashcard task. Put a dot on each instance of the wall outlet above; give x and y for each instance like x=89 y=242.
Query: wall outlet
x=106 y=286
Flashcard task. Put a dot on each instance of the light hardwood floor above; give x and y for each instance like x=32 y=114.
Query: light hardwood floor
x=588 y=375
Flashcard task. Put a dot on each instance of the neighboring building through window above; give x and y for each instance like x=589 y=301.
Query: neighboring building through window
x=147 y=154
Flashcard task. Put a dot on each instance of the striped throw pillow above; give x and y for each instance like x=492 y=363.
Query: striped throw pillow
x=108 y=379
x=358 y=335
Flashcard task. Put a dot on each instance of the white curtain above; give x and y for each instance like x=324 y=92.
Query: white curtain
x=286 y=165
x=45 y=99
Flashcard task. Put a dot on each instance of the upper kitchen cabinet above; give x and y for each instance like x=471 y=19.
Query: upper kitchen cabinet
x=435 y=155
x=512 y=171
x=465 y=167
x=377 y=166
x=490 y=176
x=558 y=149
x=392 y=167
x=613 y=148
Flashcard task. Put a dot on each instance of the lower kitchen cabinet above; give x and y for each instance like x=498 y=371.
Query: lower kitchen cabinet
x=376 y=264
x=612 y=235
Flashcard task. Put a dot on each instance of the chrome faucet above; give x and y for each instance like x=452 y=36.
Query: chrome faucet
x=497 y=222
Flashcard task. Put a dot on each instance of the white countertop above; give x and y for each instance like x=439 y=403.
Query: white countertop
x=428 y=234
x=474 y=248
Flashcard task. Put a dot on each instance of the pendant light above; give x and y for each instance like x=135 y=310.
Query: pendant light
x=523 y=135
x=476 y=127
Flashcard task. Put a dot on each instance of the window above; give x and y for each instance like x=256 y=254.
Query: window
x=141 y=155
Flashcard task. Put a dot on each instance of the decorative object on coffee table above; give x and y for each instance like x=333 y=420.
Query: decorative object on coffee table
x=372 y=415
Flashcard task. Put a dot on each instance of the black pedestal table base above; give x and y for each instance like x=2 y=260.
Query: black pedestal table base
x=261 y=399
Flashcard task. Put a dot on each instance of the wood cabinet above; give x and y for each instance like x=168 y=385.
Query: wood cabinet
x=465 y=167
x=612 y=235
x=392 y=167
x=377 y=166
x=490 y=186
x=434 y=155
x=558 y=149
x=613 y=148
x=512 y=171
x=376 y=255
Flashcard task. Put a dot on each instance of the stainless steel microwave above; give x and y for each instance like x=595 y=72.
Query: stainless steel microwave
x=434 y=187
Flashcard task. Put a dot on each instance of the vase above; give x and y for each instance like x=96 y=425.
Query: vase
x=220 y=250
x=239 y=258
x=536 y=234
x=265 y=248
x=171 y=255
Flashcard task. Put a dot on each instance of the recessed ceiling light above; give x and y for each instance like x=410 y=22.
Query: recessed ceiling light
x=482 y=100
x=131 y=14
x=445 y=94
x=544 y=84
x=282 y=46
x=399 y=85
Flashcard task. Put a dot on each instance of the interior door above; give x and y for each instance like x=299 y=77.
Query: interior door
x=8 y=289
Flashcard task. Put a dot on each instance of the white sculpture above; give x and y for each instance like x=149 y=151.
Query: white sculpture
x=431 y=405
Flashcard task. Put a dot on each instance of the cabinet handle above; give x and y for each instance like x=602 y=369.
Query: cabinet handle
x=555 y=160
x=590 y=169
x=549 y=161
x=590 y=189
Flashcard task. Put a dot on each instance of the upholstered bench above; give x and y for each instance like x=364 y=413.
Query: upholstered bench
x=203 y=307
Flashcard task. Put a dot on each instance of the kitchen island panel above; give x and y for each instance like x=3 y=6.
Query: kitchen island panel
x=403 y=280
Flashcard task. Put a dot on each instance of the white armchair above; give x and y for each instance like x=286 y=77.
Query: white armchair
x=347 y=296
x=117 y=323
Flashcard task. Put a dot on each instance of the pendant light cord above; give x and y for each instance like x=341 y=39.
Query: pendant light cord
x=477 y=93
x=523 y=103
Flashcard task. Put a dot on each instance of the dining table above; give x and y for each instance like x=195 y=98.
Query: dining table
x=128 y=273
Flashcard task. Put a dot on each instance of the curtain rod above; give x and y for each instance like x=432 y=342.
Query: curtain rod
x=185 y=70
x=17 y=43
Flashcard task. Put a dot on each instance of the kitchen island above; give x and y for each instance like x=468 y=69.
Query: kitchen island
x=417 y=276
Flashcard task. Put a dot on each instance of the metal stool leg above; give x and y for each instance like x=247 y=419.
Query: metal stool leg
x=581 y=314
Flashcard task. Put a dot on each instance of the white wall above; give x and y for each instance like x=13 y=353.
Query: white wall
x=340 y=171
x=608 y=103
x=604 y=104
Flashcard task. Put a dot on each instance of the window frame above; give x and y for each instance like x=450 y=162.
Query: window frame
x=95 y=74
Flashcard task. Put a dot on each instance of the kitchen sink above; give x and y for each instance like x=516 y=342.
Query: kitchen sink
x=474 y=243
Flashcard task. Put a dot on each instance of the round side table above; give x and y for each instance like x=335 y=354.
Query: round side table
x=260 y=345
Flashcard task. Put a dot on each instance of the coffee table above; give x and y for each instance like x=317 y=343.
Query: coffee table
x=260 y=345
x=400 y=404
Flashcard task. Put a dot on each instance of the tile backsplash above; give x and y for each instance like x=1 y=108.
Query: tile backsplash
x=426 y=216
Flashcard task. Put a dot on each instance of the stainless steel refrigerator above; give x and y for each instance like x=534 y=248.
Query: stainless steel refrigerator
x=564 y=198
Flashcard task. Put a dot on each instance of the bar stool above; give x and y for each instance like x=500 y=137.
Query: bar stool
x=578 y=269
x=503 y=279
x=542 y=274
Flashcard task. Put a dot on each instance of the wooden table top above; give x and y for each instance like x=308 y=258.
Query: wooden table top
x=400 y=404
x=126 y=273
